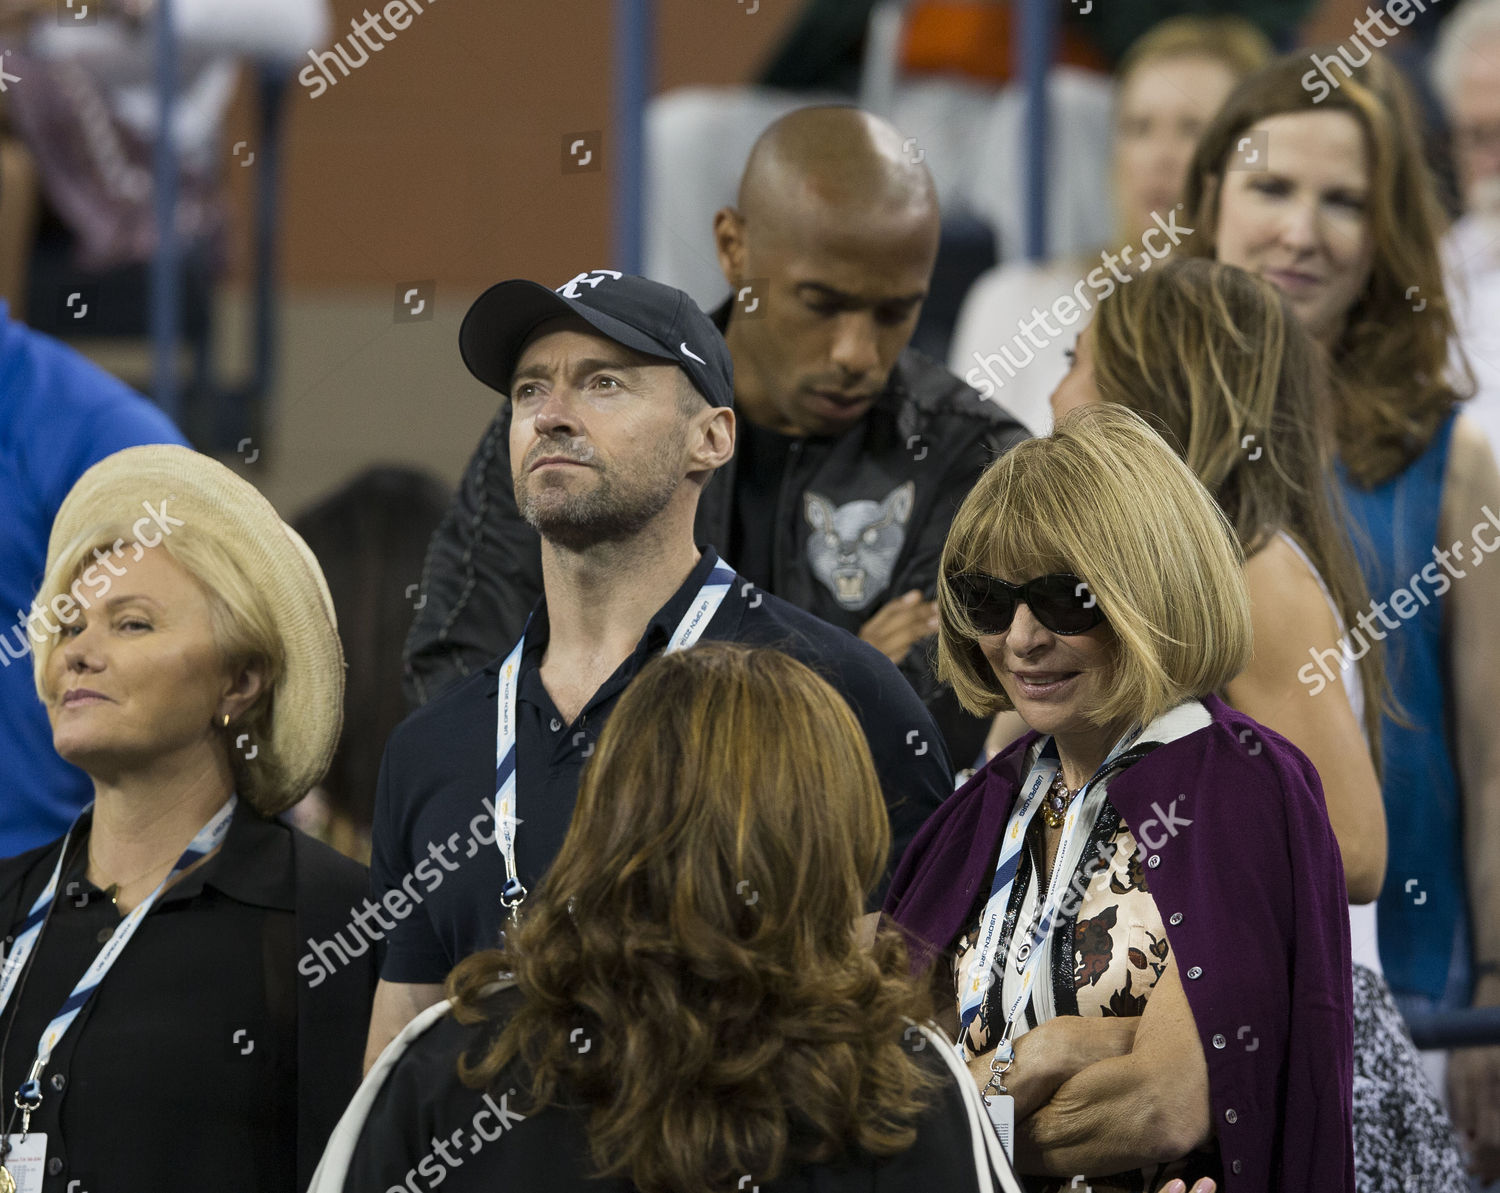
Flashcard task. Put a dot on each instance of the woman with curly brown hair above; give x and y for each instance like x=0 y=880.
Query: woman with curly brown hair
x=1330 y=199
x=687 y=1006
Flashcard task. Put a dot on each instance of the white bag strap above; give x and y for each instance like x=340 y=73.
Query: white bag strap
x=333 y=1168
x=991 y=1167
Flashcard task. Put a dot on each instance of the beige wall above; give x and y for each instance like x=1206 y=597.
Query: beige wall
x=440 y=157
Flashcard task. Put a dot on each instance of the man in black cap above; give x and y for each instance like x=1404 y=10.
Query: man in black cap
x=620 y=392
x=854 y=451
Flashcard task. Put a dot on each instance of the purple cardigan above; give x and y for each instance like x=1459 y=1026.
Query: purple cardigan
x=1252 y=896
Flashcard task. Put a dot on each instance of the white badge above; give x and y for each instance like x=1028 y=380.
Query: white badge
x=26 y=1163
x=1002 y=1108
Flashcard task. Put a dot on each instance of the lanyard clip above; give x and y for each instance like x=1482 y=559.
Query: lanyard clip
x=29 y=1095
x=999 y=1063
x=511 y=894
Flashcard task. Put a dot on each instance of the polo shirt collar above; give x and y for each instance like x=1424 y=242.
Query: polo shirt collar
x=658 y=629
x=658 y=633
x=253 y=866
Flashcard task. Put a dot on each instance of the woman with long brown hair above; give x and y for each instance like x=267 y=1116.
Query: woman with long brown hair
x=1221 y=367
x=1328 y=197
x=690 y=1007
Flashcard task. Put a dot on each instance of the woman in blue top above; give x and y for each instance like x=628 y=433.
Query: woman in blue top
x=1332 y=202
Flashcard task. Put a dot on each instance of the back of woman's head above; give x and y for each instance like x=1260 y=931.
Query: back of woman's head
x=698 y=925
x=371 y=537
x=1216 y=361
x=1392 y=386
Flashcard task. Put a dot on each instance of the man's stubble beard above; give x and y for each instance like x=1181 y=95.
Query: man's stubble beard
x=604 y=514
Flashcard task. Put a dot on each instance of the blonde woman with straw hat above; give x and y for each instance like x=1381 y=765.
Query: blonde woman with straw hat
x=156 y=1027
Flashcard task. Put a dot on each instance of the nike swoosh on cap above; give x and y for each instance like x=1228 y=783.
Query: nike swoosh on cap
x=686 y=351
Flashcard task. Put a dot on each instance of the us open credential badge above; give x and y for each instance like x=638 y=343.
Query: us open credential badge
x=1002 y=1110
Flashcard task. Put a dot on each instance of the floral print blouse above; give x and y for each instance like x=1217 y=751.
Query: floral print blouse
x=1107 y=957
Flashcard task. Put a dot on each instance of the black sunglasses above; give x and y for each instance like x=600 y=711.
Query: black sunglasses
x=1062 y=602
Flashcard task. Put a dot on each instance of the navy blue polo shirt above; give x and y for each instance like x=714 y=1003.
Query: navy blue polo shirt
x=435 y=867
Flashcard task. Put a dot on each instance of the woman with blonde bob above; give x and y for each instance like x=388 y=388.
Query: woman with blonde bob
x=687 y=1005
x=1138 y=908
x=188 y=660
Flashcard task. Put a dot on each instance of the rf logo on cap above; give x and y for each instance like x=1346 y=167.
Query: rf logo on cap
x=593 y=277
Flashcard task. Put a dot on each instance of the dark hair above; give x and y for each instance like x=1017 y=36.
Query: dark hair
x=698 y=925
x=1391 y=383
x=371 y=536
x=1219 y=364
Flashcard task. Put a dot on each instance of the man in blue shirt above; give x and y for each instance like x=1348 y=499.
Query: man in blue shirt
x=59 y=414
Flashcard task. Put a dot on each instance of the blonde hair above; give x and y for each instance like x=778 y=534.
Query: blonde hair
x=1231 y=41
x=1215 y=360
x=244 y=632
x=1105 y=498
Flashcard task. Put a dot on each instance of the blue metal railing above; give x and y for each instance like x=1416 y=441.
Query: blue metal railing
x=1034 y=50
x=1474 y=1027
x=634 y=32
x=166 y=300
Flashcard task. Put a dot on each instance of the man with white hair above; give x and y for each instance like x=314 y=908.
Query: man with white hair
x=1466 y=76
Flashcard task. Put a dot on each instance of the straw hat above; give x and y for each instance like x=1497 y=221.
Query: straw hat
x=307 y=706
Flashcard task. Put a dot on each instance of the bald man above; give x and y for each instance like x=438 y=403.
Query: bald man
x=852 y=450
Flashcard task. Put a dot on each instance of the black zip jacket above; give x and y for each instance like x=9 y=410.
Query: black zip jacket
x=861 y=519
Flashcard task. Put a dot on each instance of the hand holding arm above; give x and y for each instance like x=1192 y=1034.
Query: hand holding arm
x=1054 y=1052
x=1148 y=1106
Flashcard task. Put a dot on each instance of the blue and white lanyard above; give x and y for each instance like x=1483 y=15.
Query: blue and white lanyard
x=29 y=1096
x=689 y=630
x=983 y=969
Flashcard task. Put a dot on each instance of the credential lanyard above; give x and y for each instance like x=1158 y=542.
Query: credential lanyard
x=29 y=1095
x=718 y=582
x=983 y=969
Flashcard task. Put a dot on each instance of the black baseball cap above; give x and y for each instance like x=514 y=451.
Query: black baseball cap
x=650 y=317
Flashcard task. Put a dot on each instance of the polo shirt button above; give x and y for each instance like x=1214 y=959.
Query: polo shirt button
x=1236 y=1167
x=1154 y=860
x=54 y=1165
x=1219 y=1041
x=104 y=934
x=1230 y=1116
x=556 y=724
x=58 y=1082
x=1176 y=918
x=1196 y=972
